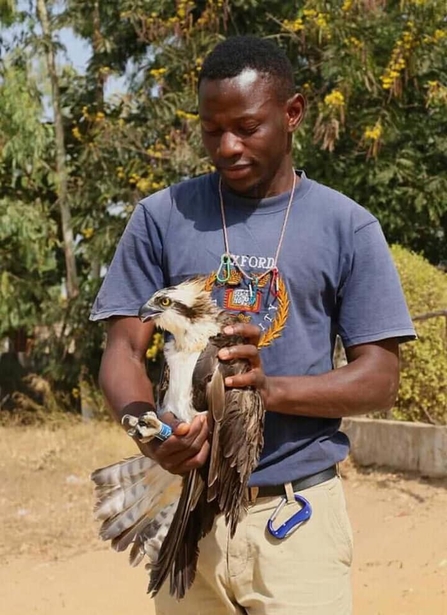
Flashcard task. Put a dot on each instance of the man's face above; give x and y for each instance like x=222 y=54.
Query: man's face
x=246 y=131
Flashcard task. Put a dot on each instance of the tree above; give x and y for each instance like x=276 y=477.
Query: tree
x=374 y=74
x=61 y=156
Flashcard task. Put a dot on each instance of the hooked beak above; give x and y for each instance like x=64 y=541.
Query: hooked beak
x=147 y=312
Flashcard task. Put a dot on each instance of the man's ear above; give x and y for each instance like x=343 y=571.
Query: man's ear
x=296 y=109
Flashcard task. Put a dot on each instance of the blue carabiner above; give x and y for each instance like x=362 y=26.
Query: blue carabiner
x=293 y=522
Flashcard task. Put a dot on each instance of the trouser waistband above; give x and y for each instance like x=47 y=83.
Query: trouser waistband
x=297 y=485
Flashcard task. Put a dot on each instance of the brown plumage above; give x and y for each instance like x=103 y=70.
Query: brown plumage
x=236 y=418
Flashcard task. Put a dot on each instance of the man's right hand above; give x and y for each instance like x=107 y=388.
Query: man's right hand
x=186 y=449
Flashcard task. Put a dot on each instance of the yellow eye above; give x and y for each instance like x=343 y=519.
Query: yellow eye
x=165 y=302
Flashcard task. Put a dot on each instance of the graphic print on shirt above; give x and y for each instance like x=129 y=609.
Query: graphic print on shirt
x=265 y=303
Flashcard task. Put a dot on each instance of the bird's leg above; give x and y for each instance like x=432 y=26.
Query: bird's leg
x=146 y=427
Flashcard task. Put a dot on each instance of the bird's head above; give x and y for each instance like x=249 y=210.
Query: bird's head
x=177 y=308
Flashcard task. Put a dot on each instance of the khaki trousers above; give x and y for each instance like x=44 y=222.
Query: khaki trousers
x=307 y=573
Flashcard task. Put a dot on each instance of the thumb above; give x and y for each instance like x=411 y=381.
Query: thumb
x=179 y=428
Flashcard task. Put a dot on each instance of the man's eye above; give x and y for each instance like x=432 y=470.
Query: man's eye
x=248 y=130
x=211 y=132
x=165 y=302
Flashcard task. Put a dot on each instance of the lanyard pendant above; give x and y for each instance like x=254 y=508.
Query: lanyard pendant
x=252 y=292
x=224 y=271
x=274 y=282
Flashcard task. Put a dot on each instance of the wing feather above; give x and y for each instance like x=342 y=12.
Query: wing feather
x=171 y=551
x=129 y=494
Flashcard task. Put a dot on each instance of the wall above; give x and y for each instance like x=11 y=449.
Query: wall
x=398 y=445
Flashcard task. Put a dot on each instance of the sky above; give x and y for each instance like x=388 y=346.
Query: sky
x=78 y=53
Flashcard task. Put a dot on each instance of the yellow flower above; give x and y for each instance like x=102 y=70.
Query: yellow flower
x=144 y=184
x=76 y=133
x=153 y=153
x=347 y=5
x=295 y=25
x=354 y=42
x=88 y=232
x=321 y=20
x=439 y=35
x=99 y=116
x=157 y=72
x=374 y=133
x=334 y=99
x=156 y=347
x=134 y=178
x=75 y=392
x=186 y=116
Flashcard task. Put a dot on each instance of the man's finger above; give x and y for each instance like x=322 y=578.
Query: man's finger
x=252 y=333
x=241 y=351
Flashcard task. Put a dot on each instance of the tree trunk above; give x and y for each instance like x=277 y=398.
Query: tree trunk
x=97 y=45
x=61 y=169
x=99 y=94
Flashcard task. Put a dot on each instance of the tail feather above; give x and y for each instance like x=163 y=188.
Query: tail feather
x=119 y=473
x=130 y=495
x=150 y=538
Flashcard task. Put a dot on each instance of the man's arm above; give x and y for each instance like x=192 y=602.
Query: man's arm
x=122 y=375
x=368 y=383
x=128 y=390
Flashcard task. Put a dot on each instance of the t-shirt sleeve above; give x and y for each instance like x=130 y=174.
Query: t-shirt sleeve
x=135 y=272
x=371 y=301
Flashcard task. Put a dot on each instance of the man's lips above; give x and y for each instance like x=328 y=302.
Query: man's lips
x=235 y=171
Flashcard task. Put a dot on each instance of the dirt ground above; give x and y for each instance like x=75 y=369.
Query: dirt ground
x=52 y=562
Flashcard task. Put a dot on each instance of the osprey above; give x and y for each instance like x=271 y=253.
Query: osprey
x=162 y=514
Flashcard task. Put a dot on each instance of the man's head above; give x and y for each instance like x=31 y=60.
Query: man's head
x=239 y=53
x=248 y=110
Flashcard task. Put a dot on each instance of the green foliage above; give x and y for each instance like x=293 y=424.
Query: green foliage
x=375 y=77
x=423 y=388
x=27 y=260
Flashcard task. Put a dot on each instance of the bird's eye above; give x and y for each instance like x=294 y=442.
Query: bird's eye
x=165 y=302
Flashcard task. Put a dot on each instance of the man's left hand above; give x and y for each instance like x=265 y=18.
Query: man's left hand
x=249 y=351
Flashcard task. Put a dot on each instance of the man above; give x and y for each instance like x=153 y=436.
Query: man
x=301 y=263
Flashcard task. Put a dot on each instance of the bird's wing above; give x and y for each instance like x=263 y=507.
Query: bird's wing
x=236 y=443
x=240 y=442
x=179 y=551
x=163 y=384
x=237 y=423
x=130 y=495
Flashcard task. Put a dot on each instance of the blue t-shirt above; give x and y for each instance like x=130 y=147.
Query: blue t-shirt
x=336 y=275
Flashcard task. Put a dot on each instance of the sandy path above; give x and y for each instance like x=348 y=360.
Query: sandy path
x=400 y=566
x=52 y=563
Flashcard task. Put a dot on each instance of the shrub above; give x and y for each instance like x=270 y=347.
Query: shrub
x=423 y=386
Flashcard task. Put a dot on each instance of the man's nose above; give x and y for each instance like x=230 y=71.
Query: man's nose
x=230 y=145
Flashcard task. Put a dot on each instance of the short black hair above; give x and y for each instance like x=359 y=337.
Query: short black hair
x=238 y=53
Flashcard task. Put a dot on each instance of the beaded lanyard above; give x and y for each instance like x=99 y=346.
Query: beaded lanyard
x=227 y=260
